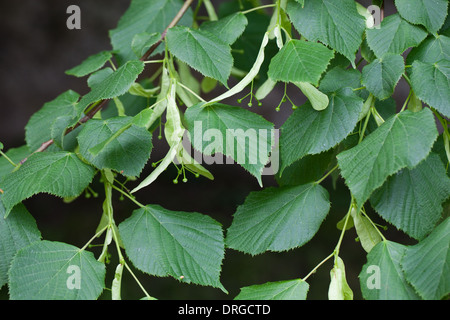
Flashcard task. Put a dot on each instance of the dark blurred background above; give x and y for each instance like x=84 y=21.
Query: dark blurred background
x=36 y=50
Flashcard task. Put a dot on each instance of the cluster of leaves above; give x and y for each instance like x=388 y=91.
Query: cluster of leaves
x=392 y=159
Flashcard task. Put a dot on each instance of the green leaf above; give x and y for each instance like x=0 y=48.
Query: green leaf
x=401 y=141
x=185 y=245
x=278 y=219
x=366 y=52
x=412 y=199
x=427 y=264
x=395 y=35
x=60 y=173
x=334 y=23
x=116 y=144
x=430 y=14
x=114 y=85
x=320 y=130
x=16 y=232
x=338 y=78
x=16 y=155
x=382 y=278
x=228 y=29
x=300 y=61
x=244 y=136
x=98 y=76
x=48 y=270
x=446 y=26
x=39 y=128
x=432 y=50
x=310 y=168
x=382 y=75
x=339 y=288
x=279 y=290
x=143 y=41
x=144 y=16
x=91 y=64
x=201 y=50
x=431 y=83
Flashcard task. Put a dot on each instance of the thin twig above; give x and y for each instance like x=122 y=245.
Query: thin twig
x=172 y=24
x=85 y=119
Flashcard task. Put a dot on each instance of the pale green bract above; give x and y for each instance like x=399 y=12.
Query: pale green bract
x=117 y=283
x=367 y=233
x=318 y=99
x=248 y=77
x=339 y=288
x=173 y=132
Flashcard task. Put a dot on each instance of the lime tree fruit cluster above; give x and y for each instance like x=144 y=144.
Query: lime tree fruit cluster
x=393 y=158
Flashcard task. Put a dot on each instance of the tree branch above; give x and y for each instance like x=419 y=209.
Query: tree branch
x=102 y=103
x=175 y=20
